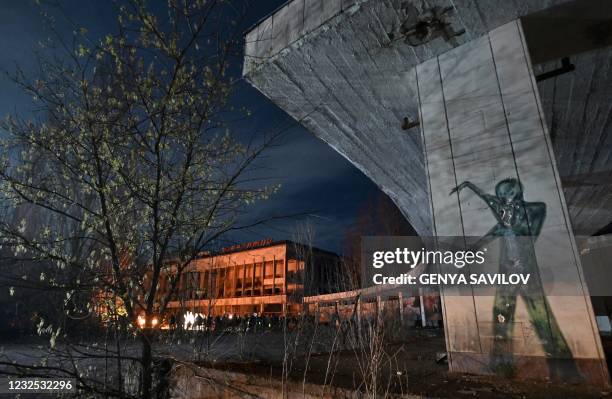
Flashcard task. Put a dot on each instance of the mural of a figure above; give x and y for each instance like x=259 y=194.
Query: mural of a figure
x=518 y=225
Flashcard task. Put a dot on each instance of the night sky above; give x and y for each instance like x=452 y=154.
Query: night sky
x=314 y=178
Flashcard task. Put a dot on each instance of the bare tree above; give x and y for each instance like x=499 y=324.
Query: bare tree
x=132 y=161
x=379 y=216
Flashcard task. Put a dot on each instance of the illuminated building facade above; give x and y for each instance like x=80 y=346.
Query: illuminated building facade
x=264 y=277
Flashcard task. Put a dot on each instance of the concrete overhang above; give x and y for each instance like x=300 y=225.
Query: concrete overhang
x=345 y=70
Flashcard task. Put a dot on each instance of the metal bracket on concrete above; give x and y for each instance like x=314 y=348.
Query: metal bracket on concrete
x=566 y=66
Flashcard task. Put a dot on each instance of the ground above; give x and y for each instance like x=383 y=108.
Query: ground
x=413 y=370
x=407 y=365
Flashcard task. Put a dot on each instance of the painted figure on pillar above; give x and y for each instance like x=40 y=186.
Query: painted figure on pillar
x=518 y=225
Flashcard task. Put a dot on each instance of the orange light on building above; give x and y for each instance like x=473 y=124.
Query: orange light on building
x=262 y=277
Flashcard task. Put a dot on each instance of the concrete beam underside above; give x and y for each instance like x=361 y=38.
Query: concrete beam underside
x=331 y=66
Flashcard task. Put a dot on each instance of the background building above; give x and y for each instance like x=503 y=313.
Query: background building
x=263 y=277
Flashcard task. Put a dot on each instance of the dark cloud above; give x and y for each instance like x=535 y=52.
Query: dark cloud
x=314 y=178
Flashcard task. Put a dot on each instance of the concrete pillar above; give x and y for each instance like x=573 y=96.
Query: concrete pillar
x=358 y=306
x=235 y=280
x=253 y=278
x=243 y=277
x=337 y=312
x=285 y=262
x=423 y=313
x=400 y=307
x=481 y=122
x=274 y=276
